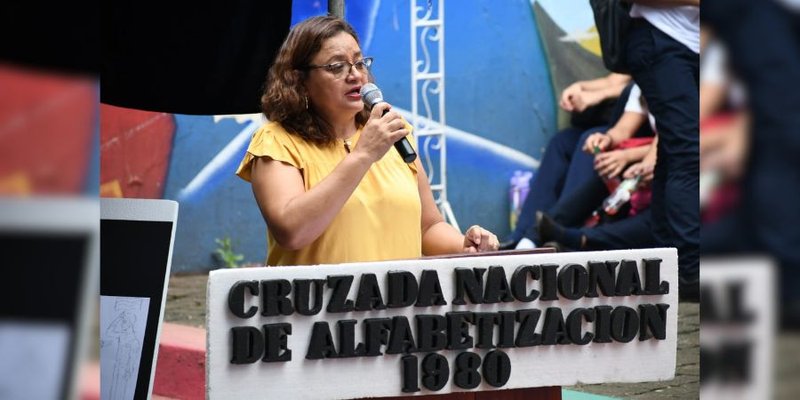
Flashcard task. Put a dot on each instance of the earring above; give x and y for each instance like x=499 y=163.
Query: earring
x=306 y=97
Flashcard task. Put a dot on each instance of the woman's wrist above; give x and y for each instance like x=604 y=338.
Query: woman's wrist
x=360 y=158
x=627 y=156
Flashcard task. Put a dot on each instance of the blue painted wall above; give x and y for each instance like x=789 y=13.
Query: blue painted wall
x=497 y=80
x=222 y=207
x=497 y=88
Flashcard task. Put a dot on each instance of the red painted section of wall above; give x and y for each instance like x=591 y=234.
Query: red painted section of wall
x=180 y=371
x=46 y=127
x=181 y=367
x=135 y=148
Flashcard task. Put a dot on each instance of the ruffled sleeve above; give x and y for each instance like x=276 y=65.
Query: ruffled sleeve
x=272 y=141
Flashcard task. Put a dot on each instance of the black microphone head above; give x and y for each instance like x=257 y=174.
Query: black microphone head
x=371 y=95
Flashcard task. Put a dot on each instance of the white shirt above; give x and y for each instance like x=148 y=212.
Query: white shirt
x=635 y=104
x=681 y=23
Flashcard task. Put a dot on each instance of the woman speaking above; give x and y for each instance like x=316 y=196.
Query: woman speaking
x=323 y=172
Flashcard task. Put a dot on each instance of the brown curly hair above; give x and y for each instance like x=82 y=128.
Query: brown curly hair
x=285 y=97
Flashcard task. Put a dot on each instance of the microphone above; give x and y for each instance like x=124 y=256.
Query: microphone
x=371 y=95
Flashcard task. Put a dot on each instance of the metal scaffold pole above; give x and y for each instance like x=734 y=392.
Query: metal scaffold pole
x=427 y=85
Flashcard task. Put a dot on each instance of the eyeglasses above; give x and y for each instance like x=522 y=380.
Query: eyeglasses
x=343 y=68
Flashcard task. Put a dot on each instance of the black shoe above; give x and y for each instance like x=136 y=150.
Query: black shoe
x=558 y=247
x=548 y=229
x=508 y=245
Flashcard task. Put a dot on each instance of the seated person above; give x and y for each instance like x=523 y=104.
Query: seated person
x=581 y=172
x=586 y=100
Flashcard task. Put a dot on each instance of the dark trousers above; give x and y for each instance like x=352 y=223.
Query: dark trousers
x=573 y=209
x=667 y=72
x=628 y=233
x=618 y=232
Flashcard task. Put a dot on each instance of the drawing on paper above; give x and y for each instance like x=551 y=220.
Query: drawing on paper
x=122 y=324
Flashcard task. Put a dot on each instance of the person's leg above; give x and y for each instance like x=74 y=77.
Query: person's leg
x=551 y=233
x=731 y=234
x=628 y=233
x=580 y=179
x=548 y=182
x=581 y=167
x=571 y=210
x=667 y=73
x=575 y=207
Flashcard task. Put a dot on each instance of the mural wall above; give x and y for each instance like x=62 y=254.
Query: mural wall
x=500 y=103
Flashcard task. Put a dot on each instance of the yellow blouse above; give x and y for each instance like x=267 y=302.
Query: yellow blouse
x=380 y=221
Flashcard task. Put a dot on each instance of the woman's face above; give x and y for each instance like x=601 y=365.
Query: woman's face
x=336 y=97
